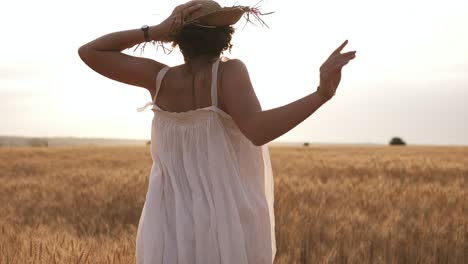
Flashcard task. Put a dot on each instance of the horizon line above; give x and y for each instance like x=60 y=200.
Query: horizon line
x=272 y=142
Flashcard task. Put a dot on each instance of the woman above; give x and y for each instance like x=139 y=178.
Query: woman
x=210 y=194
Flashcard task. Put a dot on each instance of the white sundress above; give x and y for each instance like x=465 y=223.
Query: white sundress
x=210 y=192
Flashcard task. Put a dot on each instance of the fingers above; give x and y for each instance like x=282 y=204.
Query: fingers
x=338 y=65
x=339 y=49
x=190 y=3
x=347 y=55
x=338 y=61
x=181 y=11
x=183 y=6
x=335 y=55
x=177 y=9
x=350 y=54
x=190 y=9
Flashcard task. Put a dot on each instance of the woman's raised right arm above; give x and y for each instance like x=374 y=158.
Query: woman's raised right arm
x=104 y=54
x=261 y=127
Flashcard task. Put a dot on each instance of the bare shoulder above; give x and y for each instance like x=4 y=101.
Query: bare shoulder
x=239 y=95
x=234 y=65
x=233 y=71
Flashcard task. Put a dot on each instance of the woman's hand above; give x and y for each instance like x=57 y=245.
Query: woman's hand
x=330 y=71
x=169 y=26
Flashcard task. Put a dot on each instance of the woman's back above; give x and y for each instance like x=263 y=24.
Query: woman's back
x=186 y=87
x=210 y=194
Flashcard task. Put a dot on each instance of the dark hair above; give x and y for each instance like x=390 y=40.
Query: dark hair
x=195 y=40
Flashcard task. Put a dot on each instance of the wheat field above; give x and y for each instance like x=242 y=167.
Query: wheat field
x=333 y=204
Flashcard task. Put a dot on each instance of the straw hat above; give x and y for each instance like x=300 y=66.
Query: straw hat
x=211 y=14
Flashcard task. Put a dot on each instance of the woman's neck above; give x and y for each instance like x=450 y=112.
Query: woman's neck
x=199 y=62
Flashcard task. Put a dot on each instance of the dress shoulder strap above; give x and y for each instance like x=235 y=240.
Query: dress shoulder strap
x=159 y=78
x=214 y=83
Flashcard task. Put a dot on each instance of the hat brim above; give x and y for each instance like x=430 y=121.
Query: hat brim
x=223 y=17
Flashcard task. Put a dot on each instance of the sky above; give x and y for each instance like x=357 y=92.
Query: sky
x=409 y=78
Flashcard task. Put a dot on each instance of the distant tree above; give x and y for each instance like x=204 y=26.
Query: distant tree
x=38 y=142
x=306 y=144
x=396 y=141
x=148 y=143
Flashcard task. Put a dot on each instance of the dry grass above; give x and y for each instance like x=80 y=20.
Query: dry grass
x=333 y=204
